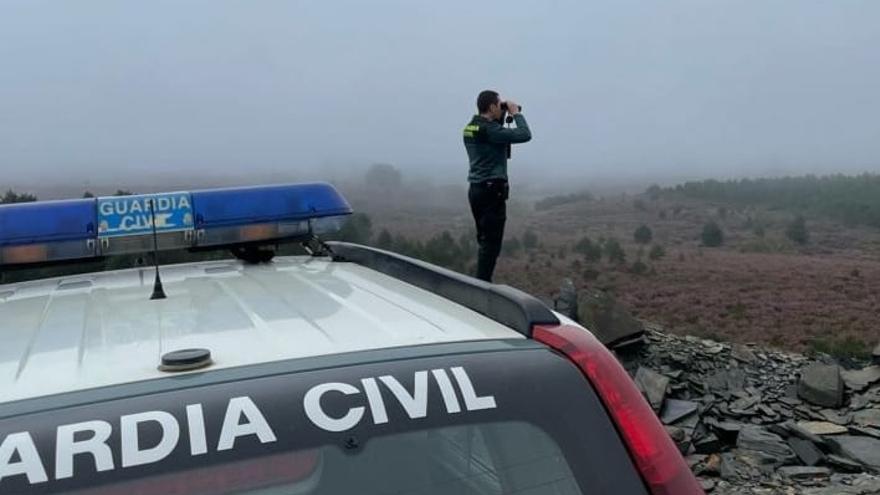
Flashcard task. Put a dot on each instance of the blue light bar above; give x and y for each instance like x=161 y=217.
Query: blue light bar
x=84 y=228
x=263 y=204
x=47 y=221
x=260 y=213
x=47 y=231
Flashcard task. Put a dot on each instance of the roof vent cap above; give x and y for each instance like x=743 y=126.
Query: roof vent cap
x=185 y=360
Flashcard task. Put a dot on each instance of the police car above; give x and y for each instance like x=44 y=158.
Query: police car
x=353 y=370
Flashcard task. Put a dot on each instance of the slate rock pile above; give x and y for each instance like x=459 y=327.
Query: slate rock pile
x=760 y=421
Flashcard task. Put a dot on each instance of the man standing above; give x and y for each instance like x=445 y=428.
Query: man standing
x=488 y=147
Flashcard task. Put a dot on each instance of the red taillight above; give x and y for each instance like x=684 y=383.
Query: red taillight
x=656 y=456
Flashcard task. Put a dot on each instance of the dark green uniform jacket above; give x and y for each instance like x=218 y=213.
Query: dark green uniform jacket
x=486 y=142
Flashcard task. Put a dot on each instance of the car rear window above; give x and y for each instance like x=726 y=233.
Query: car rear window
x=521 y=421
x=493 y=458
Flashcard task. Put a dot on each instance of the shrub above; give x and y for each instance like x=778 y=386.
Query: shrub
x=442 y=250
x=407 y=247
x=656 y=252
x=614 y=252
x=357 y=228
x=591 y=251
x=643 y=235
x=797 y=231
x=712 y=235
x=385 y=241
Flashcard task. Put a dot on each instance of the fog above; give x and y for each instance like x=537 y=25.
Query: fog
x=125 y=92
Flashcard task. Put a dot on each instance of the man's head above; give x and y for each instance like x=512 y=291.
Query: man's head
x=489 y=105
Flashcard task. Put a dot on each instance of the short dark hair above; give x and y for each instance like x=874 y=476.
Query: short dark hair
x=486 y=99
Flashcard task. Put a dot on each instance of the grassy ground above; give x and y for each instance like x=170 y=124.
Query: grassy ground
x=759 y=286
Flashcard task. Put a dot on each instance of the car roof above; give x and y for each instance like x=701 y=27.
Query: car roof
x=79 y=332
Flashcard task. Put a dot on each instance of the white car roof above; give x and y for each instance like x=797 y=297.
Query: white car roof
x=80 y=332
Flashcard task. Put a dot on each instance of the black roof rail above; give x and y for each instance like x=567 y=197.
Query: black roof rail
x=502 y=303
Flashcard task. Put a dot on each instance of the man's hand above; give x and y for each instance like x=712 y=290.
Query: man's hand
x=512 y=107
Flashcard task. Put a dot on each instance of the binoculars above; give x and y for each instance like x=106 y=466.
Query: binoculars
x=504 y=106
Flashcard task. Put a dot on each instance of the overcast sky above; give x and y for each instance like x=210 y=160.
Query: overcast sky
x=113 y=90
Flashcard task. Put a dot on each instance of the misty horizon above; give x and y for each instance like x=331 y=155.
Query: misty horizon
x=100 y=93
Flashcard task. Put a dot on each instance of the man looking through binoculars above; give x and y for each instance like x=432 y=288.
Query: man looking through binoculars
x=488 y=142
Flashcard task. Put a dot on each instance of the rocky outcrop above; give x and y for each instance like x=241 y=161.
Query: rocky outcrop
x=756 y=420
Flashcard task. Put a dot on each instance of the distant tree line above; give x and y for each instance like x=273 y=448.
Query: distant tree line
x=11 y=196
x=854 y=200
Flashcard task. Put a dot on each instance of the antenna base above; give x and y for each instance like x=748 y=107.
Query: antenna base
x=158 y=290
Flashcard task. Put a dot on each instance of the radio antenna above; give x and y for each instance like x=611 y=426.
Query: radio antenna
x=158 y=291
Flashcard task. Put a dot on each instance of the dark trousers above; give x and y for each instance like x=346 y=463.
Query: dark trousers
x=488 y=201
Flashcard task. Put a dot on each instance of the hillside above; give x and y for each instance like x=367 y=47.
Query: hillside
x=770 y=281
